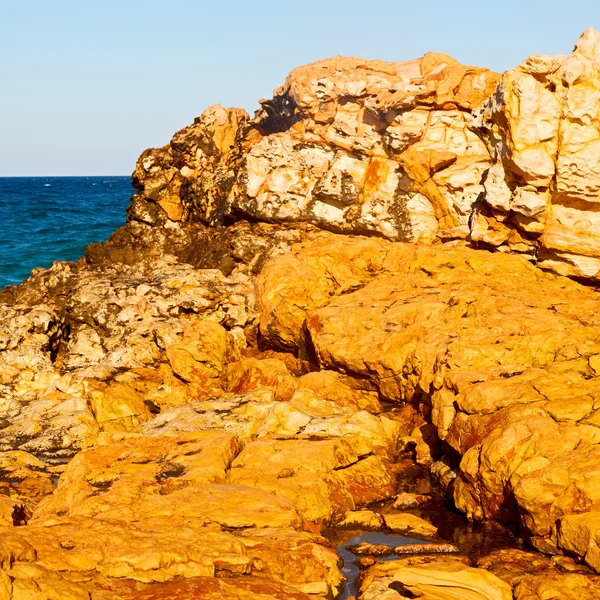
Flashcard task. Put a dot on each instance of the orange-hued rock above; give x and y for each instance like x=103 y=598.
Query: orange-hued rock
x=8 y=506
x=409 y=525
x=160 y=476
x=242 y=415
x=534 y=570
x=153 y=552
x=299 y=559
x=140 y=466
x=329 y=385
x=318 y=271
x=25 y=476
x=423 y=150
x=224 y=588
x=295 y=324
x=542 y=129
x=362 y=126
x=118 y=406
x=250 y=374
x=442 y=578
x=347 y=144
x=563 y=586
x=323 y=478
x=258 y=414
x=26 y=580
x=201 y=152
x=504 y=352
x=110 y=559
x=100 y=553
x=106 y=349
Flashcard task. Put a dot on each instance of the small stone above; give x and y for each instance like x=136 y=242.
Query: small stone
x=406 y=501
x=408 y=524
x=366 y=549
x=415 y=549
x=362 y=519
x=367 y=561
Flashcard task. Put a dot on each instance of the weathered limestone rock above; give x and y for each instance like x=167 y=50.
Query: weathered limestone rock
x=299 y=559
x=225 y=390
x=542 y=127
x=242 y=415
x=25 y=476
x=146 y=477
x=322 y=478
x=444 y=578
x=399 y=150
x=26 y=580
x=333 y=387
x=111 y=559
x=565 y=587
x=105 y=349
x=7 y=509
x=409 y=525
x=250 y=373
x=319 y=270
x=204 y=158
x=500 y=351
x=406 y=501
x=529 y=573
x=152 y=553
x=347 y=144
x=224 y=588
x=362 y=519
x=579 y=535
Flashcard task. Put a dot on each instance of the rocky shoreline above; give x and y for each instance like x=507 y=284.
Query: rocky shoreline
x=308 y=315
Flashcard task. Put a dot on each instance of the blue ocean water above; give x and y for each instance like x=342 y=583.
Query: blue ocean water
x=43 y=219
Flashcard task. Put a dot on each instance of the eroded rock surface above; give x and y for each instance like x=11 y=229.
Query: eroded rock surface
x=346 y=144
x=543 y=189
x=423 y=150
x=501 y=354
x=189 y=408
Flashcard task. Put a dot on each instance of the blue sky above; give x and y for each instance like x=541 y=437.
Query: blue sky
x=86 y=86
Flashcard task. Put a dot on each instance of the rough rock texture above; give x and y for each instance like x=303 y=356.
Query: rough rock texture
x=444 y=578
x=104 y=350
x=502 y=355
x=543 y=129
x=346 y=144
x=422 y=151
x=190 y=407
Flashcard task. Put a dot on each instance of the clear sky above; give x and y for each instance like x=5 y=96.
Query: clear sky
x=86 y=86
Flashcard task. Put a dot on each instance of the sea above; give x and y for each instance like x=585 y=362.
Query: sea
x=44 y=219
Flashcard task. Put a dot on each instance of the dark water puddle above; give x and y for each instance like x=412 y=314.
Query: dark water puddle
x=351 y=568
x=473 y=540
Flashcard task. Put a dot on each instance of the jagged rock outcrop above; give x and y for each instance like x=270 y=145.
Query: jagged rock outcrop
x=346 y=144
x=444 y=579
x=504 y=357
x=417 y=151
x=543 y=129
x=200 y=404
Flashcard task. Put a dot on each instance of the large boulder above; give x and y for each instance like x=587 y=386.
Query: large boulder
x=346 y=144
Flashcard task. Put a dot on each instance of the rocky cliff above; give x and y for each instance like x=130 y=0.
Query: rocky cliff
x=422 y=151
x=303 y=334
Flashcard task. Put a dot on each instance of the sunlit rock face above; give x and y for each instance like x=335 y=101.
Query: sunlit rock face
x=346 y=144
x=203 y=404
x=417 y=151
x=505 y=356
x=543 y=129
